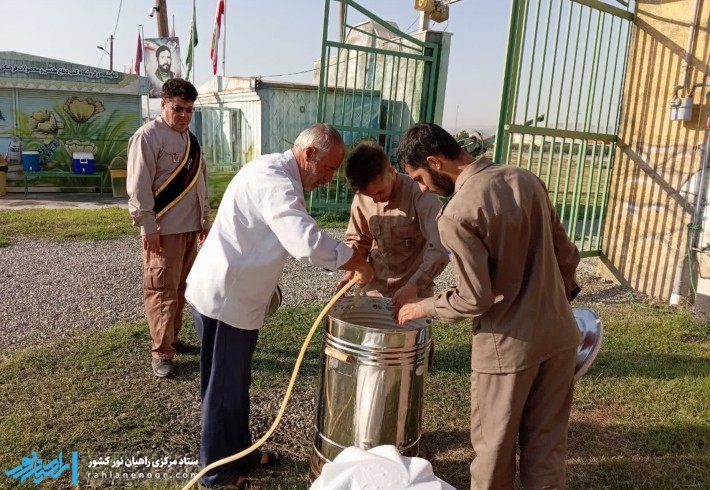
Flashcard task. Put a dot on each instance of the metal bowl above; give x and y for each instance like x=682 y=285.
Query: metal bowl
x=590 y=326
x=275 y=302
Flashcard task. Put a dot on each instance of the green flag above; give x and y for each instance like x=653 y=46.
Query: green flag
x=191 y=43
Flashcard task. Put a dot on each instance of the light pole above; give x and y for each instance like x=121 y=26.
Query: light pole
x=161 y=7
x=110 y=52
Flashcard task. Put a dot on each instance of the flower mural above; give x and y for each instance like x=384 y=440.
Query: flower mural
x=80 y=146
x=64 y=114
x=43 y=124
x=82 y=109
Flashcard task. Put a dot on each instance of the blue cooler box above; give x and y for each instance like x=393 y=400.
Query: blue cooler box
x=82 y=163
x=30 y=161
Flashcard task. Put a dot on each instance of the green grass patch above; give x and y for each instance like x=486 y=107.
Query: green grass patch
x=94 y=224
x=66 y=224
x=333 y=219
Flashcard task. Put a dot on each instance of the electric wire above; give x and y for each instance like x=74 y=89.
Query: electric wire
x=118 y=17
x=695 y=228
x=410 y=25
x=291 y=383
x=115 y=28
x=314 y=69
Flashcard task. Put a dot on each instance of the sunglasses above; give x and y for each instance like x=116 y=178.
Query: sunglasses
x=179 y=110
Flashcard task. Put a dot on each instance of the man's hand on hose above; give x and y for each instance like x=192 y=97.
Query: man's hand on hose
x=359 y=264
x=366 y=274
x=347 y=277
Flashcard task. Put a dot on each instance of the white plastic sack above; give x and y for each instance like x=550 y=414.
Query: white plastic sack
x=381 y=467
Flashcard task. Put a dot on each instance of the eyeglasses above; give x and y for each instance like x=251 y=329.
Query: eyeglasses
x=179 y=110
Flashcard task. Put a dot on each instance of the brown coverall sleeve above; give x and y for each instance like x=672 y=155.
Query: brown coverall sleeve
x=358 y=235
x=435 y=257
x=567 y=255
x=473 y=295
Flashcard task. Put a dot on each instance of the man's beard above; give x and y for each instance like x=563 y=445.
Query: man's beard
x=442 y=184
x=165 y=68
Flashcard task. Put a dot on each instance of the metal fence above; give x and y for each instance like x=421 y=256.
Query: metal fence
x=563 y=83
x=374 y=83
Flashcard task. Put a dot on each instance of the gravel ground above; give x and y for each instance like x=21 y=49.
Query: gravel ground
x=54 y=289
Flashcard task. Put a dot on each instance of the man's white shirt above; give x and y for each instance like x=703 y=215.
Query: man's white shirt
x=261 y=220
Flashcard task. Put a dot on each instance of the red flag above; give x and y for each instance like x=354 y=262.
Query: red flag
x=139 y=56
x=215 y=35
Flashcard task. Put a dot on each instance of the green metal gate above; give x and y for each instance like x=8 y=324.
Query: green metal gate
x=374 y=83
x=564 y=78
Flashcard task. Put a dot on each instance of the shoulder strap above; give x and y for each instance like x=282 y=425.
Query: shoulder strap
x=181 y=180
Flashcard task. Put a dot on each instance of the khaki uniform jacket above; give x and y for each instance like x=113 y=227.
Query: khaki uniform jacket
x=506 y=239
x=400 y=236
x=154 y=152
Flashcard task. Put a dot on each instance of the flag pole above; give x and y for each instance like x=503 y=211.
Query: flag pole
x=193 y=29
x=224 y=36
x=191 y=46
x=145 y=70
x=220 y=85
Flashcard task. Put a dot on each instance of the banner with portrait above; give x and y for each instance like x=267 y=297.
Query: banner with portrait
x=162 y=62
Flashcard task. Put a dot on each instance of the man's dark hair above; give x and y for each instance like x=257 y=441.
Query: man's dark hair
x=177 y=87
x=364 y=164
x=160 y=49
x=423 y=140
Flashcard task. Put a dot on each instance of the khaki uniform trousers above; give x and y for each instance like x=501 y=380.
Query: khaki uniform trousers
x=532 y=406
x=164 y=276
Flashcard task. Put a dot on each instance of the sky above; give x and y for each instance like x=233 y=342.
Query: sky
x=265 y=38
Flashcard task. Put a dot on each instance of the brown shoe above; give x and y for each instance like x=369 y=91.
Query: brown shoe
x=162 y=367
x=185 y=348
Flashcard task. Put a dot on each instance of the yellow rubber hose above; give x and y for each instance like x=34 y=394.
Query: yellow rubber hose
x=273 y=427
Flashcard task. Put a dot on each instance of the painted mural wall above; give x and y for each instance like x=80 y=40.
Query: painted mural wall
x=657 y=195
x=58 y=109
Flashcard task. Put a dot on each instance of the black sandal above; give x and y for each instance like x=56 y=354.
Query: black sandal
x=272 y=459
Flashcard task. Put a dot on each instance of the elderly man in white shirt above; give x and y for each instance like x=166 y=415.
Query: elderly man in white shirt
x=261 y=220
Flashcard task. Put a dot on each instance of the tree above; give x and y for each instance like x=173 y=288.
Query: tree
x=461 y=135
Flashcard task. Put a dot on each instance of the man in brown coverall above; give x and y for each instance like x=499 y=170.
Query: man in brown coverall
x=393 y=225
x=515 y=271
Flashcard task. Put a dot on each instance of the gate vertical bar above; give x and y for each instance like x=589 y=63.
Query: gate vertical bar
x=510 y=79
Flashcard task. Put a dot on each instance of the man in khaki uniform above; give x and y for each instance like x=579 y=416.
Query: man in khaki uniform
x=167 y=189
x=515 y=272
x=393 y=225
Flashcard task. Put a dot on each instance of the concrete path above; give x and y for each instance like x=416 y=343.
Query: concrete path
x=60 y=200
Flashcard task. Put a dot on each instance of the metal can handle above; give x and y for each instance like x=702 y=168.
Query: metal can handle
x=341 y=356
